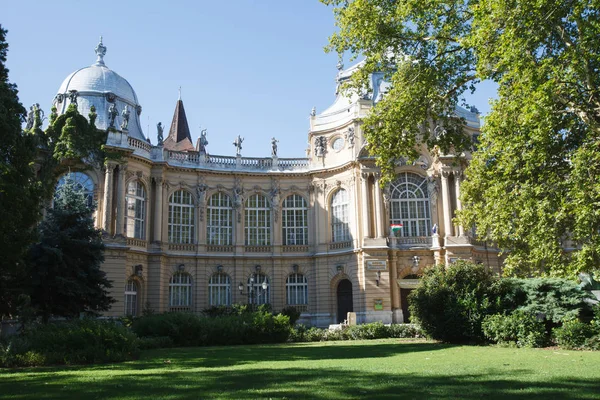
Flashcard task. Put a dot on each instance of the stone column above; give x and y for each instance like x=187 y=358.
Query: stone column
x=448 y=229
x=107 y=197
x=457 y=179
x=378 y=208
x=119 y=225
x=366 y=208
x=158 y=201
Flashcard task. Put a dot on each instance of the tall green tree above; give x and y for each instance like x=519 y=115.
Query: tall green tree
x=532 y=188
x=65 y=276
x=19 y=190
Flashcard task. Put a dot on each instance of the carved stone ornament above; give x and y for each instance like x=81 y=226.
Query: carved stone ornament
x=73 y=96
x=138 y=109
x=111 y=97
x=432 y=189
x=59 y=98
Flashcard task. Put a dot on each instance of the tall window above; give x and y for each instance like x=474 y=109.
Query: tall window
x=219 y=290
x=409 y=205
x=181 y=217
x=180 y=291
x=295 y=220
x=339 y=216
x=135 y=218
x=296 y=288
x=81 y=182
x=258 y=221
x=219 y=220
x=256 y=293
x=131 y=292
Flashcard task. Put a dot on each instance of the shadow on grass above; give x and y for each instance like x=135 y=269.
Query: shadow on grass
x=227 y=372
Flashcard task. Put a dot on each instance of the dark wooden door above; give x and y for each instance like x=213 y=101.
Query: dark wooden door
x=344 y=300
x=404 y=304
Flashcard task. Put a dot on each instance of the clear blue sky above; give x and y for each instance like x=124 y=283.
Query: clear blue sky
x=248 y=67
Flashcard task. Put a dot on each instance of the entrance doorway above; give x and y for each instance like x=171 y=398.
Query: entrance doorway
x=344 y=300
x=404 y=304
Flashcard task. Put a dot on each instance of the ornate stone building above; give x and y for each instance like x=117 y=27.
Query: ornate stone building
x=186 y=230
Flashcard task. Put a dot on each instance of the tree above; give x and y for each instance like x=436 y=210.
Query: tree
x=65 y=275
x=19 y=189
x=532 y=187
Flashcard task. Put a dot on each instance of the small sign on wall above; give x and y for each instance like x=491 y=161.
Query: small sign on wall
x=377 y=265
x=378 y=304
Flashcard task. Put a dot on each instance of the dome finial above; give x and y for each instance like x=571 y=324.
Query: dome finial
x=100 y=52
x=179 y=93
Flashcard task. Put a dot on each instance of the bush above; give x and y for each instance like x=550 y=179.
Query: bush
x=156 y=342
x=375 y=330
x=70 y=342
x=519 y=328
x=185 y=329
x=292 y=313
x=573 y=334
x=404 y=331
x=451 y=302
x=592 y=343
x=554 y=299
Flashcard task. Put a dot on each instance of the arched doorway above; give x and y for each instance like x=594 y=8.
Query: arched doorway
x=344 y=300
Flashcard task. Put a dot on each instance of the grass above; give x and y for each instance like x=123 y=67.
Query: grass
x=386 y=369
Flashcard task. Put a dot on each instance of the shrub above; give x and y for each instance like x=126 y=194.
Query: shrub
x=573 y=334
x=375 y=330
x=404 y=331
x=519 y=328
x=451 y=302
x=314 y=334
x=185 y=329
x=156 y=342
x=554 y=299
x=71 y=342
x=592 y=343
x=292 y=313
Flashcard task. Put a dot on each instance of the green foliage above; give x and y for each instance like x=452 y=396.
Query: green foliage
x=374 y=330
x=553 y=299
x=451 y=302
x=65 y=278
x=155 y=342
x=186 y=329
x=532 y=187
x=19 y=190
x=75 y=342
x=519 y=328
x=573 y=334
x=292 y=313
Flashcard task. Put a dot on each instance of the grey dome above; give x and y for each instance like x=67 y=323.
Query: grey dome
x=101 y=87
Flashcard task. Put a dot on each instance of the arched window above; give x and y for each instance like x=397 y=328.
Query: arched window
x=135 y=217
x=181 y=217
x=296 y=288
x=219 y=220
x=295 y=220
x=409 y=205
x=258 y=221
x=256 y=293
x=81 y=181
x=180 y=292
x=131 y=293
x=219 y=290
x=339 y=216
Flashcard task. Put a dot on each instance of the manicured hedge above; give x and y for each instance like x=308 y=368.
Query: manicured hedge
x=70 y=342
x=185 y=329
x=375 y=330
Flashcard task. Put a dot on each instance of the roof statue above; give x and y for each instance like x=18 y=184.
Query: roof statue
x=112 y=114
x=30 y=117
x=125 y=114
x=159 y=133
x=238 y=145
x=350 y=135
x=320 y=142
x=100 y=52
x=73 y=96
x=202 y=141
x=313 y=112
x=274 y=147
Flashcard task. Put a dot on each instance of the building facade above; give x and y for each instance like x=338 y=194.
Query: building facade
x=185 y=230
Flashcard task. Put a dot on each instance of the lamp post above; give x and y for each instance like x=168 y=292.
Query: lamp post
x=254 y=295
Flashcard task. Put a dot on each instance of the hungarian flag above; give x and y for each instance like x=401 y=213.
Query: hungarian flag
x=395 y=227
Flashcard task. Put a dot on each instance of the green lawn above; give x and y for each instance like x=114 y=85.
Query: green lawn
x=389 y=368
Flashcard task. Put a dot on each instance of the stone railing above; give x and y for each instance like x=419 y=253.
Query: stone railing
x=139 y=144
x=265 y=164
x=340 y=245
x=182 y=247
x=180 y=308
x=133 y=242
x=258 y=249
x=213 y=248
x=410 y=241
x=295 y=249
